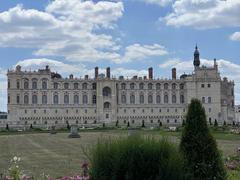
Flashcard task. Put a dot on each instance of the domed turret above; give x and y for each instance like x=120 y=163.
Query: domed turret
x=196 y=61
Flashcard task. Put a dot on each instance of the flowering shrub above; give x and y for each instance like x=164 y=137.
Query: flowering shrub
x=16 y=173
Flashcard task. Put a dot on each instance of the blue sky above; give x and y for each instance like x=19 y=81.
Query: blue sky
x=74 y=36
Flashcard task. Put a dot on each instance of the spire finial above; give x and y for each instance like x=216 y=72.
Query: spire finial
x=196 y=46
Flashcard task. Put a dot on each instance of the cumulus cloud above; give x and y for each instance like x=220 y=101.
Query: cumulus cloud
x=235 y=36
x=227 y=69
x=204 y=14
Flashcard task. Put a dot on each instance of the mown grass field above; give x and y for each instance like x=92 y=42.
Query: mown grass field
x=57 y=155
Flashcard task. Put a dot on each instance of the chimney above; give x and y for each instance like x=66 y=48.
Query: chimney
x=108 y=73
x=150 y=73
x=70 y=76
x=96 y=72
x=174 y=73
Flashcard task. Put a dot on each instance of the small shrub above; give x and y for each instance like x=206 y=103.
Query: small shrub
x=135 y=158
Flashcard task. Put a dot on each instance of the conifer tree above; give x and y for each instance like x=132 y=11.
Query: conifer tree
x=215 y=123
x=202 y=159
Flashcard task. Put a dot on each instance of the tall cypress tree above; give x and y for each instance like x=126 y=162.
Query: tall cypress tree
x=202 y=159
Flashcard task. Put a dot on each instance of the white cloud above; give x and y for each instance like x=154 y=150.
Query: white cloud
x=157 y=2
x=204 y=14
x=235 y=36
x=169 y=63
x=227 y=69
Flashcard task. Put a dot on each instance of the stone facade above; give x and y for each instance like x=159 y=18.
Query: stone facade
x=43 y=98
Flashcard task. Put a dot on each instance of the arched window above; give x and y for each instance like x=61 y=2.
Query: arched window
x=165 y=98
x=174 y=99
x=26 y=85
x=34 y=99
x=85 y=99
x=94 y=99
x=44 y=99
x=66 y=99
x=76 y=99
x=141 y=98
x=158 y=86
x=18 y=99
x=94 y=86
x=9 y=99
x=166 y=86
x=66 y=85
x=9 y=85
x=150 y=99
x=174 y=86
x=84 y=86
x=26 y=99
x=123 y=86
x=106 y=105
x=141 y=86
x=158 y=99
x=132 y=85
x=44 y=84
x=181 y=99
x=123 y=99
x=150 y=86
x=132 y=99
x=55 y=85
x=203 y=99
x=55 y=99
x=75 y=85
x=34 y=84
x=18 y=84
x=106 y=91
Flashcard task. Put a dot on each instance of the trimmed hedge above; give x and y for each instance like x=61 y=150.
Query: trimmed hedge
x=134 y=158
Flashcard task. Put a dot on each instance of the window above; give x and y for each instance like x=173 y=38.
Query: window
x=209 y=100
x=85 y=99
x=94 y=99
x=66 y=99
x=202 y=85
x=18 y=84
x=75 y=85
x=132 y=99
x=9 y=99
x=106 y=105
x=9 y=84
x=106 y=91
x=55 y=99
x=150 y=86
x=174 y=86
x=132 y=85
x=165 y=98
x=123 y=99
x=209 y=85
x=181 y=86
x=44 y=85
x=158 y=99
x=84 y=86
x=174 y=99
x=203 y=99
x=18 y=99
x=34 y=84
x=66 y=85
x=158 y=86
x=44 y=99
x=107 y=116
x=182 y=99
x=141 y=86
x=209 y=110
x=166 y=86
x=34 y=99
x=55 y=85
x=26 y=99
x=76 y=99
x=123 y=86
x=26 y=85
x=141 y=99
x=94 y=86
x=150 y=99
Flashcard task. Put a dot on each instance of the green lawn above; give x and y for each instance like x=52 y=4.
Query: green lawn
x=58 y=155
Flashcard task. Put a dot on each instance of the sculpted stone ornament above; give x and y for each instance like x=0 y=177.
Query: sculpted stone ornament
x=74 y=132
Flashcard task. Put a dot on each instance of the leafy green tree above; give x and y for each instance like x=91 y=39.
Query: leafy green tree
x=202 y=159
x=183 y=123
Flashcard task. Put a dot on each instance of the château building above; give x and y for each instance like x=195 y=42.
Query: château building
x=43 y=98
